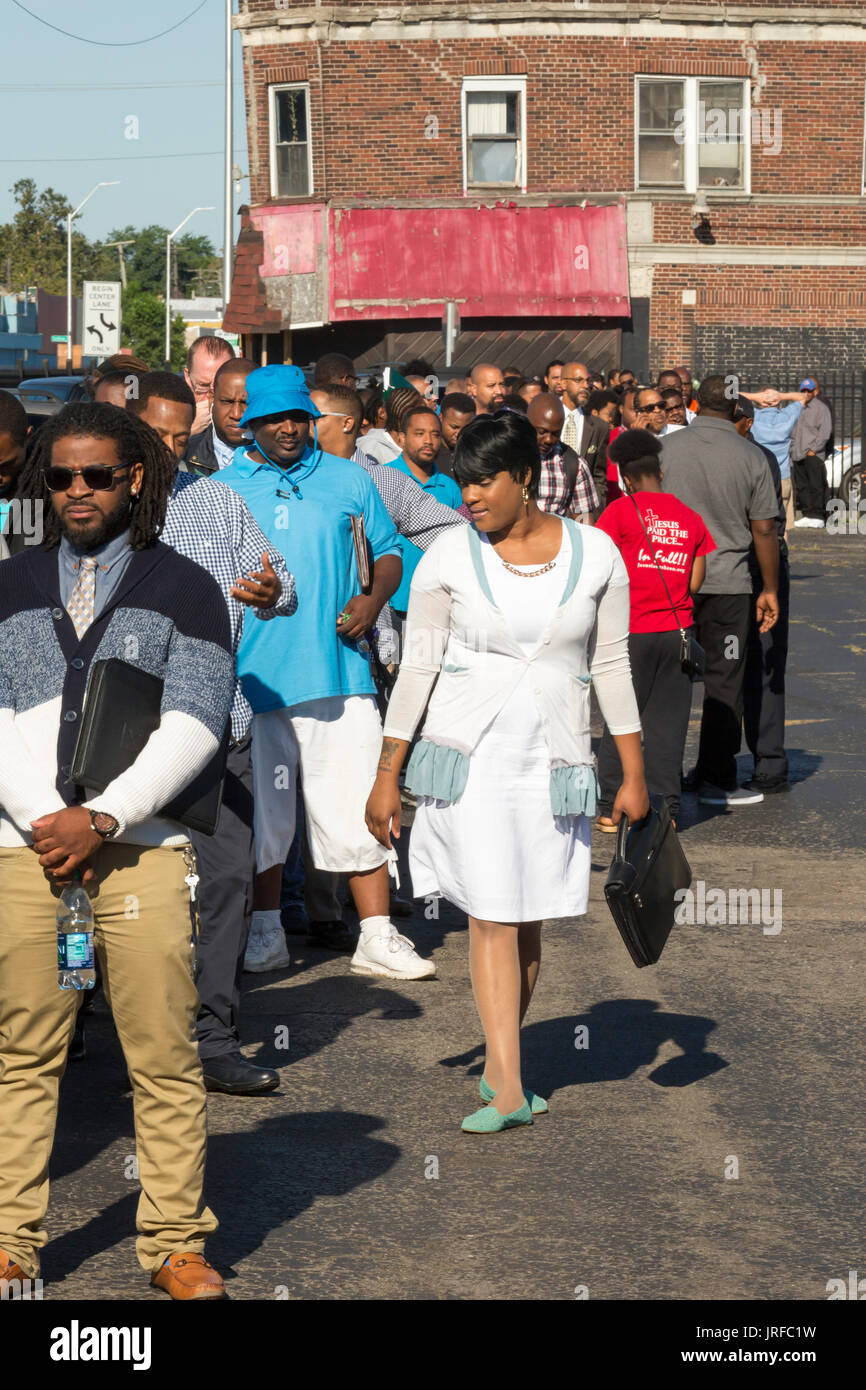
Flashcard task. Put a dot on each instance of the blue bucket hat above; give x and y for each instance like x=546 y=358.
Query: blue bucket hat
x=276 y=391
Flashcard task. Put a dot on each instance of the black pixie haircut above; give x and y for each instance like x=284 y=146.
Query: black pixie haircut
x=491 y=444
x=637 y=453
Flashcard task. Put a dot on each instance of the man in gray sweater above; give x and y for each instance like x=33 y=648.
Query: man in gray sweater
x=808 y=448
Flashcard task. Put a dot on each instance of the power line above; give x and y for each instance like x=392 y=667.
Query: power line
x=104 y=86
x=100 y=43
x=118 y=158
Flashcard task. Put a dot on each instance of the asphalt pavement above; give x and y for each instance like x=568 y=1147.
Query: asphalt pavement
x=705 y=1137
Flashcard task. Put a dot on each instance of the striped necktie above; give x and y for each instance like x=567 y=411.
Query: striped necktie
x=80 y=605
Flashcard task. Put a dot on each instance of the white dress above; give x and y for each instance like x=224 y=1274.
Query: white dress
x=499 y=853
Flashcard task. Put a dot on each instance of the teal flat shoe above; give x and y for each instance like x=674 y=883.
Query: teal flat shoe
x=488 y=1120
x=538 y=1103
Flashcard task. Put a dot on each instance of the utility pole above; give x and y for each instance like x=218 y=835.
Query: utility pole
x=120 y=248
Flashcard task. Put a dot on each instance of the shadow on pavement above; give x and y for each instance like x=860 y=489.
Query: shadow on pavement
x=317 y=1011
x=282 y=1166
x=285 y=1164
x=622 y=1036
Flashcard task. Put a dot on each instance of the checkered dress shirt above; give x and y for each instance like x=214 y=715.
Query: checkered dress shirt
x=212 y=524
x=553 y=486
x=416 y=515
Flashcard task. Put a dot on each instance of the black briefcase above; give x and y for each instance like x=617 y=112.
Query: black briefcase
x=121 y=711
x=647 y=870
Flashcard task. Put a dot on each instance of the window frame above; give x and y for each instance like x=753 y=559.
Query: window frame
x=690 y=184
x=494 y=84
x=273 y=89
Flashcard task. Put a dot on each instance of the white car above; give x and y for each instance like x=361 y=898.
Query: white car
x=841 y=465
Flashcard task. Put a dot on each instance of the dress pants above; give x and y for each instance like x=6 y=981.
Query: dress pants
x=764 y=689
x=810 y=480
x=226 y=867
x=142 y=928
x=722 y=628
x=664 y=698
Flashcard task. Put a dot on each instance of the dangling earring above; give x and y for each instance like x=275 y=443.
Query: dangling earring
x=525 y=495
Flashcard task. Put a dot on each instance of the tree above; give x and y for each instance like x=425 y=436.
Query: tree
x=33 y=244
x=144 y=327
x=145 y=260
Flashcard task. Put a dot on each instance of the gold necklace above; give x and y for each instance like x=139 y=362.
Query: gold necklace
x=523 y=574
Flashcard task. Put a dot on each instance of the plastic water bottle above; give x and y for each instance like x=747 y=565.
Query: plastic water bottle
x=75 y=940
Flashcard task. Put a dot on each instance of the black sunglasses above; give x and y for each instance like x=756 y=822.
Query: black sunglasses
x=648 y=409
x=99 y=477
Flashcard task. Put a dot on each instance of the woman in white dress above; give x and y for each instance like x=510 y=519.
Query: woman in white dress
x=509 y=618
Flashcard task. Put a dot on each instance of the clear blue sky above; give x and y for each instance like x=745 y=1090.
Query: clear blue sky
x=71 y=139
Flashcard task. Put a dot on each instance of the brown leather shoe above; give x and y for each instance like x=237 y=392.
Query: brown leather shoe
x=9 y=1269
x=187 y=1275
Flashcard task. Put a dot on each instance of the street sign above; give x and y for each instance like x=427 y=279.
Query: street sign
x=101 y=322
x=58 y=337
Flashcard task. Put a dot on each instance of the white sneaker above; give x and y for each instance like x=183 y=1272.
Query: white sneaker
x=803 y=521
x=816 y=523
x=266 y=950
x=392 y=955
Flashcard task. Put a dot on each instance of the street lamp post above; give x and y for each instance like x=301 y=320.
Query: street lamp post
x=70 y=218
x=169 y=239
x=228 y=226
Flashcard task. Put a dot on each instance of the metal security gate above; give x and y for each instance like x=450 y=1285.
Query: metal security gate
x=844 y=391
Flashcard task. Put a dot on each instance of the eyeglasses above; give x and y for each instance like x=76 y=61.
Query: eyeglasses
x=648 y=409
x=336 y=414
x=673 y=409
x=98 y=477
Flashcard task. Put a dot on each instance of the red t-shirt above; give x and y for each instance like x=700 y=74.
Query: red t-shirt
x=678 y=534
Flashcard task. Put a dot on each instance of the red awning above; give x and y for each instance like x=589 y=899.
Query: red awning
x=501 y=261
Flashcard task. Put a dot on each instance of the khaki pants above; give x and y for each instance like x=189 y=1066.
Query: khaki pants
x=788 y=502
x=142 y=939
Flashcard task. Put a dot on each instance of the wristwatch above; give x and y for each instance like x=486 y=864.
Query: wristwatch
x=104 y=824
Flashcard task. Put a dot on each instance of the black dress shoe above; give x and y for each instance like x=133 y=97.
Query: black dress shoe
x=400 y=907
x=332 y=936
x=767 y=785
x=691 y=781
x=235 y=1076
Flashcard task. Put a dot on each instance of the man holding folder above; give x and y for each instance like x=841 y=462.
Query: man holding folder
x=313 y=700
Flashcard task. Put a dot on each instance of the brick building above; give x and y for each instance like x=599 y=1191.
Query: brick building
x=635 y=182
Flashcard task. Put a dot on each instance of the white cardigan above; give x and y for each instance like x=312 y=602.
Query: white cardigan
x=458 y=638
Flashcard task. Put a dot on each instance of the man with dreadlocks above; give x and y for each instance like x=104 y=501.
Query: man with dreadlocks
x=101 y=586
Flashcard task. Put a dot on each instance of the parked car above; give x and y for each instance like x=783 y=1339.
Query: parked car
x=841 y=465
x=65 y=388
x=39 y=405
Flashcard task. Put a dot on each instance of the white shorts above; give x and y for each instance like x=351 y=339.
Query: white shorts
x=334 y=744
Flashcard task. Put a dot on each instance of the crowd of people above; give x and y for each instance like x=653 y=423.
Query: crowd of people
x=358 y=601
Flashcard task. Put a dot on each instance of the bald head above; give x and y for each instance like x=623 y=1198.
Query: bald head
x=576 y=384
x=486 y=387
x=547 y=416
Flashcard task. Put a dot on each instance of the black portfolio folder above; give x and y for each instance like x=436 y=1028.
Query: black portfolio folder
x=121 y=711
